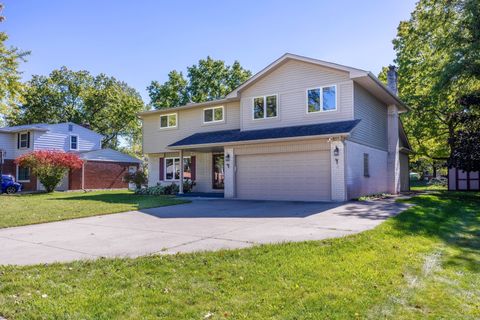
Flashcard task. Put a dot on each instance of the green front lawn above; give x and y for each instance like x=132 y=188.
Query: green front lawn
x=417 y=185
x=425 y=263
x=26 y=209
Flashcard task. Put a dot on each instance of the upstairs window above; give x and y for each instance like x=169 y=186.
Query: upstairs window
x=214 y=114
x=73 y=142
x=265 y=107
x=168 y=121
x=322 y=99
x=23 y=140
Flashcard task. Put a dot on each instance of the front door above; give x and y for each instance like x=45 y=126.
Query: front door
x=218 y=171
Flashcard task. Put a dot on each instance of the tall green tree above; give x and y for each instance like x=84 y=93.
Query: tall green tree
x=10 y=76
x=433 y=49
x=100 y=102
x=465 y=153
x=172 y=93
x=208 y=80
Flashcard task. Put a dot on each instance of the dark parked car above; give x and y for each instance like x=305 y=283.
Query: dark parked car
x=8 y=184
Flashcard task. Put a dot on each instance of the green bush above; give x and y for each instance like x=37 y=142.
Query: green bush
x=170 y=189
x=139 y=178
x=151 y=191
x=438 y=182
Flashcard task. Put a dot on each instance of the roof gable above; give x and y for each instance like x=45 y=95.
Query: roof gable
x=292 y=57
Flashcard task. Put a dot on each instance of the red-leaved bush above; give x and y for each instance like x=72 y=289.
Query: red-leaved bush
x=50 y=166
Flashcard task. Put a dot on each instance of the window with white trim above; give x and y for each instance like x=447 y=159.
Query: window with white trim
x=265 y=107
x=23 y=140
x=214 y=114
x=23 y=174
x=172 y=168
x=168 y=120
x=322 y=99
x=73 y=142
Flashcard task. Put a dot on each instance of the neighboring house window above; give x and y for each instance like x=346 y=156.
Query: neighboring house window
x=24 y=140
x=265 y=107
x=366 y=166
x=168 y=120
x=172 y=168
x=73 y=142
x=70 y=127
x=322 y=99
x=214 y=114
x=23 y=174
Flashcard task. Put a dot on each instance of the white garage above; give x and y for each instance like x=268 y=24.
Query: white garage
x=284 y=176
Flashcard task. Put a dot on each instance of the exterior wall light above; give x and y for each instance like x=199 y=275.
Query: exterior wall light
x=336 y=152
x=227 y=160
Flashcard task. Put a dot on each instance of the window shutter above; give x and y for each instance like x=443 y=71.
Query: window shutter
x=18 y=140
x=193 y=167
x=161 y=169
x=28 y=139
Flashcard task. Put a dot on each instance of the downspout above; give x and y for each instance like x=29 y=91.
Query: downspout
x=83 y=174
x=180 y=186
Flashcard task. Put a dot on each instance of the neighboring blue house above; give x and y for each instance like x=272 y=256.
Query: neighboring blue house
x=103 y=168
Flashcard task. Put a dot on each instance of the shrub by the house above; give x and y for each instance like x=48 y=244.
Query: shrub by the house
x=49 y=166
x=139 y=178
x=170 y=189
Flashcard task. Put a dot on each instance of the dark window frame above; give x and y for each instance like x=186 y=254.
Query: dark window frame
x=23 y=176
x=366 y=165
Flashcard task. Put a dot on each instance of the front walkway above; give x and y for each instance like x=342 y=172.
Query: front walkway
x=200 y=225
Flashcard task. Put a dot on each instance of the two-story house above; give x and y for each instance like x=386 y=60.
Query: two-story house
x=300 y=129
x=102 y=168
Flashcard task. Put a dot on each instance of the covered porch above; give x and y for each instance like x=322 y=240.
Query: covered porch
x=302 y=163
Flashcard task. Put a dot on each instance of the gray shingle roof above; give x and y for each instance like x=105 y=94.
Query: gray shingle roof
x=108 y=155
x=35 y=126
x=228 y=136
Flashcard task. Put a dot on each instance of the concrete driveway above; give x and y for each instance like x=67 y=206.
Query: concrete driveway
x=201 y=225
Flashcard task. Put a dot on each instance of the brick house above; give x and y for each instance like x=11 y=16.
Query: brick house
x=102 y=168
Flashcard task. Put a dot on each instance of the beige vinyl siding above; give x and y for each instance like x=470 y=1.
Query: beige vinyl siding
x=290 y=82
x=372 y=129
x=357 y=184
x=189 y=121
x=204 y=175
x=285 y=146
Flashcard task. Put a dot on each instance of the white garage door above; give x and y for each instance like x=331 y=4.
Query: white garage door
x=301 y=176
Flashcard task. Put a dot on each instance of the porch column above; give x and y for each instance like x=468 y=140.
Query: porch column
x=180 y=186
x=230 y=173
x=337 y=163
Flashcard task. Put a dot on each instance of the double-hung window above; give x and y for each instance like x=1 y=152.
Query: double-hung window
x=265 y=107
x=322 y=99
x=23 y=140
x=172 y=168
x=214 y=114
x=23 y=174
x=73 y=142
x=168 y=121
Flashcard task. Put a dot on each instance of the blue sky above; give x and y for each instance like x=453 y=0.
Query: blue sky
x=140 y=41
